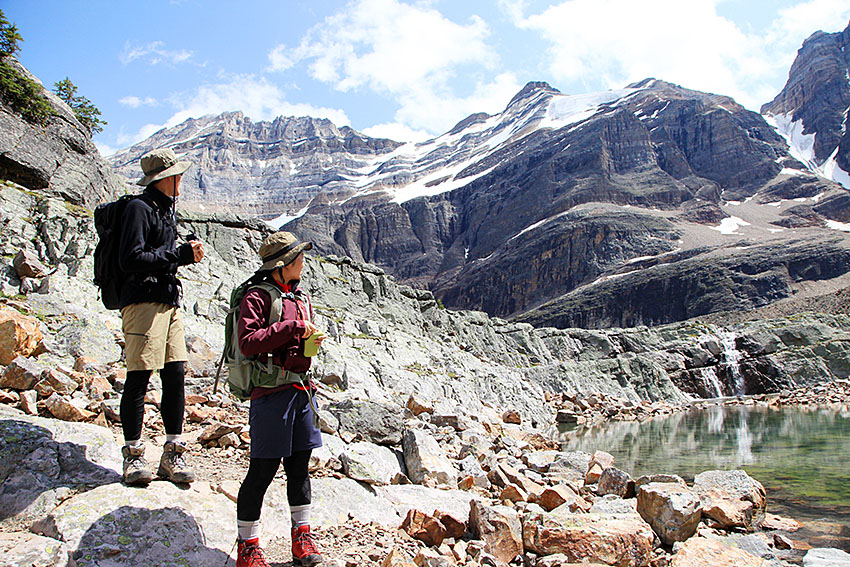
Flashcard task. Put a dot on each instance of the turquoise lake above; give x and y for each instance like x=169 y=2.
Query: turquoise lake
x=800 y=455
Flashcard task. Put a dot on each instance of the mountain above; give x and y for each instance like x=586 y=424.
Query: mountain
x=811 y=111
x=562 y=210
x=564 y=194
x=262 y=168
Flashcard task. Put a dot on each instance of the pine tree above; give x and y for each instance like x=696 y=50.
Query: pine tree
x=87 y=113
x=9 y=37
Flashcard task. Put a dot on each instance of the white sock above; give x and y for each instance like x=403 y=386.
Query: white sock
x=300 y=515
x=172 y=438
x=134 y=443
x=248 y=530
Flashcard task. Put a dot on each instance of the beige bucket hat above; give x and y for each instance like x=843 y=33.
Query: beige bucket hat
x=159 y=164
x=280 y=249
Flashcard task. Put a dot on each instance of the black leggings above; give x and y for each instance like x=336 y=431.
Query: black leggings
x=172 y=406
x=260 y=475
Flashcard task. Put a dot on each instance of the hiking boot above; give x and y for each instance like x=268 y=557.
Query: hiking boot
x=135 y=466
x=172 y=465
x=304 y=551
x=250 y=554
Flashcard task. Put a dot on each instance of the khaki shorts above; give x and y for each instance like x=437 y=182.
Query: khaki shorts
x=153 y=335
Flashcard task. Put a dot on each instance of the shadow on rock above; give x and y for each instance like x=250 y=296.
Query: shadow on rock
x=130 y=536
x=46 y=461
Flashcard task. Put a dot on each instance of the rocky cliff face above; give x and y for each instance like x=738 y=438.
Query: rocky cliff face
x=58 y=158
x=811 y=111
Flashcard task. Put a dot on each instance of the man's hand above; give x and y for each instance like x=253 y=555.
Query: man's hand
x=197 y=250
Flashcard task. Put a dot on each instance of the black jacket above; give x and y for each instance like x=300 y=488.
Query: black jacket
x=148 y=252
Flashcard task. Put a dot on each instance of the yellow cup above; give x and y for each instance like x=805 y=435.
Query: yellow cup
x=311 y=347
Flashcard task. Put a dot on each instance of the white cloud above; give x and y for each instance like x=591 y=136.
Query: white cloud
x=687 y=43
x=154 y=53
x=397 y=131
x=104 y=149
x=256 y=97
x=802 y=20
x=136 y=102
x=411 y=54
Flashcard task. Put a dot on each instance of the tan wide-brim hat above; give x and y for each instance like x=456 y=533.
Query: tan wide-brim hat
x=159 y=164
x=280 y=249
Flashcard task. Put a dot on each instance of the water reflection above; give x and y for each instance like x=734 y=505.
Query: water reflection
x=801 y=455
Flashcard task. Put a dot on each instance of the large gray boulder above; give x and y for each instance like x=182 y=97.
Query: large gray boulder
x=45 y=461
x=116 y=525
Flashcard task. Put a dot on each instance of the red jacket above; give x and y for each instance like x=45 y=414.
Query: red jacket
x=282 y=339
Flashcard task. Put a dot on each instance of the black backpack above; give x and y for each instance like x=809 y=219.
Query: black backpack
x=107 y=272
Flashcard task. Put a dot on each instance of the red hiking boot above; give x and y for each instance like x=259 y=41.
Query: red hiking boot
x=304 y=551
x=250 y=554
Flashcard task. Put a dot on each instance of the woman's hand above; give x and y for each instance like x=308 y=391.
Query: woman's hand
x=309 y=329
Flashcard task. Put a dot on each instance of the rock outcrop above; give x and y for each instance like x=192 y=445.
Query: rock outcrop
x=59 y=158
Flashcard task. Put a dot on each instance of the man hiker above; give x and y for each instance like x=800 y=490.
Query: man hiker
x=281 y=418
x=151 y=316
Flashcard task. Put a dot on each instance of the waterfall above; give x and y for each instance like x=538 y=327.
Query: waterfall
x=732 y=356
x=712 y=384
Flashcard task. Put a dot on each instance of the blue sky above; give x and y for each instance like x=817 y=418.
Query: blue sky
x=403 y=69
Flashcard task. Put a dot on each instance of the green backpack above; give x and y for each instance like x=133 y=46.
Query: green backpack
x=244 y=373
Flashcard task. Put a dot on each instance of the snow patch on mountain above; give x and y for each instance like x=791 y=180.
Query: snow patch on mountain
x=800 y=145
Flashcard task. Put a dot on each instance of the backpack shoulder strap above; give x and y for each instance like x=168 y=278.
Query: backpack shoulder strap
x=277 y=300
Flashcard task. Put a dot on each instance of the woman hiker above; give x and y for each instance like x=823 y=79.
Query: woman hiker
x=282 y=419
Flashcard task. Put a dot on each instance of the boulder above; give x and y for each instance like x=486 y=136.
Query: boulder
x=672 y=511
x=612 y=504
x=68 y=409
x=368 y=421
x=28 y=402
x=161 y=525
x=403 y=497
x=20 y=549
x=500 y=529
x=27 y=265
x=731 y=498
x=553 y=496
x=45 y=460
x=21 y=374
x=216 y=430
x=625 y=540
x=702 y=552
x=826 y=557
x=578 y=461
x=431 y=558
x=615 y=481
x=371 y=463
x=58 y=382
x=418 y=406
x=427 y=529
x=20 y=335
x=425 y=460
